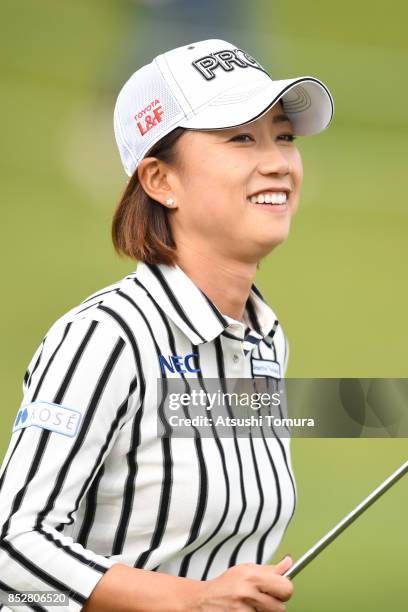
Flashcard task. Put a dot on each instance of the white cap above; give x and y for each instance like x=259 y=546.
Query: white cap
x=210 y=84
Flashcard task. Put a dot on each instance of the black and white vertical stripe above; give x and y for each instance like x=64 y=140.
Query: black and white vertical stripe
x=71 y=507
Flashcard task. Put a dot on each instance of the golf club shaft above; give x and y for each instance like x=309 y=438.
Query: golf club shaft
x=350 y=518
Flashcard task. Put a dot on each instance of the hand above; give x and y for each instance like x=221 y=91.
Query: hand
x=247 y=587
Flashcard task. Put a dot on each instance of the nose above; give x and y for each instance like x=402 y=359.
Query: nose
x=274 y=161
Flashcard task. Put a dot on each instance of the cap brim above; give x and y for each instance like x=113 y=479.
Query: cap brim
x=306 y=100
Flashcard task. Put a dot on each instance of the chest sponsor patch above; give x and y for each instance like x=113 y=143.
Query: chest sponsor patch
x=266 y=367
x=47 y=415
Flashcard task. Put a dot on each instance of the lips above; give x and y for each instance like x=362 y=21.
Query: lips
x=270 y=189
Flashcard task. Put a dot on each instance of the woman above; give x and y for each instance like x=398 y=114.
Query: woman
x=94 y=502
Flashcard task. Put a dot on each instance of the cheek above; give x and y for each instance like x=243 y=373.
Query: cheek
x=213 y=183
x=297 y=167
x=297 y=178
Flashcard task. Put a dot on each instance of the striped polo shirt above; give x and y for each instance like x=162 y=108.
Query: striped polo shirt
x=86 y=481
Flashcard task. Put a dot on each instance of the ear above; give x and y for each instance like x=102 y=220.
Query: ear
x=155 y=178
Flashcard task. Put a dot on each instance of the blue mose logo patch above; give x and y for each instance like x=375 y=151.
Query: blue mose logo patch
x=178 y=363
x=47 y=415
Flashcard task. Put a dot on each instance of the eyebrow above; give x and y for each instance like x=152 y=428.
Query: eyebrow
x=280 y=119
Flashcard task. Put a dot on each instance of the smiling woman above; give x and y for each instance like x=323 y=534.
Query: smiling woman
x=146 y=230
x=95 y=500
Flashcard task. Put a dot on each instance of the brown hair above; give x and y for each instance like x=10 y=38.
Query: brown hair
x=140 y=225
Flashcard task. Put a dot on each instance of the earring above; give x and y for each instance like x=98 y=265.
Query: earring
x=170 y=201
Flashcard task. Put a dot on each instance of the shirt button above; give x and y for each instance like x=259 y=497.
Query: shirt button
x=235 y=358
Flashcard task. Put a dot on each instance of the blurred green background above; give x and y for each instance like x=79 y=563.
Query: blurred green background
x=338 y=285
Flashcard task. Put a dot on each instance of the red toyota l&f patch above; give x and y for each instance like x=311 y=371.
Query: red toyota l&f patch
x=149 y=116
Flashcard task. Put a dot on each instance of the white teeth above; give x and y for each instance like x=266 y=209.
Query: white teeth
x=270 y=197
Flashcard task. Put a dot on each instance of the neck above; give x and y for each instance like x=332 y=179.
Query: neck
x=227 y=283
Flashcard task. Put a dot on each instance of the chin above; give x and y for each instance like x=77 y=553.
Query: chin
x=271 y=243
x=260 y=246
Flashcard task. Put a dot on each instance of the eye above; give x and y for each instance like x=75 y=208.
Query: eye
x=288 y=137
x=244 y=137
x=240 y=138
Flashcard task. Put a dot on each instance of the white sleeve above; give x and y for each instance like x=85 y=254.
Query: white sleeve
x=79 y=389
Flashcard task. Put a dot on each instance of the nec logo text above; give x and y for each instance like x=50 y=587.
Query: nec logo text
x=178 y=363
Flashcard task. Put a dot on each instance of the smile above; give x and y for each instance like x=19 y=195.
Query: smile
x=269 y=197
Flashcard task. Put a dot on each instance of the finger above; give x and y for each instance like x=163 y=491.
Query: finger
x=275 y=585
x=248 y=608
x=282 y=590
x=283 y=565
x=266 y=603
x=267 y=580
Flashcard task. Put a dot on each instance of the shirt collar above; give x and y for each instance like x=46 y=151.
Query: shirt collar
x=194 y=313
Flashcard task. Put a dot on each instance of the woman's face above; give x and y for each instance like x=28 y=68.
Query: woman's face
x=218 y=175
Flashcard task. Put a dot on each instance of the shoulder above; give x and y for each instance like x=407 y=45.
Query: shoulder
x=102 y=326
x=113 y=307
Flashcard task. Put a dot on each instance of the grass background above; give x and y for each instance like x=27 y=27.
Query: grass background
x=339 y=283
